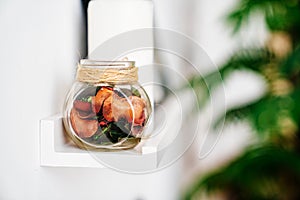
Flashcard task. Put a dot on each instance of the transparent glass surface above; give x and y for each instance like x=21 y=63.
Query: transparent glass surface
x=106 y=116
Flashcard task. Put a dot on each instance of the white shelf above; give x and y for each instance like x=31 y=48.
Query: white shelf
x=166 y=142
x=57 y=151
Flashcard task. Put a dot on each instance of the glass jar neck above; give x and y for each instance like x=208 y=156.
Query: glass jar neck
x=106 y=64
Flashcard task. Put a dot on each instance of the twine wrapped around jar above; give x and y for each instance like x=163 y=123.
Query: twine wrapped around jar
x=113 y=72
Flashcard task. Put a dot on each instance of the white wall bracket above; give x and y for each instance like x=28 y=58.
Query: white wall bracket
x=56 y=150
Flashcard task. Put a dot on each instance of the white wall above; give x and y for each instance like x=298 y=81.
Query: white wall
x=40 y=42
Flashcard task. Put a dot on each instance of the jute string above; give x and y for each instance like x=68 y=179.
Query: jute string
x=112 y=75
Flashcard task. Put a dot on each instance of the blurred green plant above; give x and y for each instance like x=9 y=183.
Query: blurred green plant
x=269 y=169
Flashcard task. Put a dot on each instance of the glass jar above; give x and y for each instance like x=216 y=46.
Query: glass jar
x=106 y=107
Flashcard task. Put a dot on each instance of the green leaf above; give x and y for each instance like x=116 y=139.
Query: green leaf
x=253 y=59
x=290 y=67
x=262 y=172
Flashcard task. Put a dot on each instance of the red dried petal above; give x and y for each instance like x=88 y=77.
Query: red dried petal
x=102 y=123
x=83 y=128
x=82 y=105
x=100 y=97
x=138 y=107
x=107 y=110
